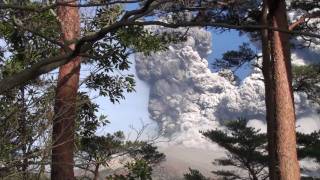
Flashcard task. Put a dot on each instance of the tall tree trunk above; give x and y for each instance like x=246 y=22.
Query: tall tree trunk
x=65 y=102
x=269 y=93
x=284 y=102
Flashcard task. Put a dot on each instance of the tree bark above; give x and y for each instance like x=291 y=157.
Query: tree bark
x=65 y=101
x=288 y=165
x=96 y=171
x=269 y=93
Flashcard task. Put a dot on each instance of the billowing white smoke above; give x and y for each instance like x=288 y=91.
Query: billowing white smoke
x=186 y=97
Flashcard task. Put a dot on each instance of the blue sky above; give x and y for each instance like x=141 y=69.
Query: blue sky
x=222 y=42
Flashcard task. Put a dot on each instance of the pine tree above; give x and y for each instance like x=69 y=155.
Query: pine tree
x=194 y=174
x=306 y=79
x=247 y=151
x=246 y=148
x=309 y=145
x=235 y=58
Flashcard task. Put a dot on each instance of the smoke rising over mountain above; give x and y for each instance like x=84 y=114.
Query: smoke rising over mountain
x=186 y=97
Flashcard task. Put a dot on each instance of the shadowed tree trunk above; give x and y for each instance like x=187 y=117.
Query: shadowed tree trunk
x=288 y=165
x=96 y=171
x=65 y=102
x=269 y=93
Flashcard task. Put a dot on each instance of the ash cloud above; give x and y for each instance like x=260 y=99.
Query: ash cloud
x=186 y=97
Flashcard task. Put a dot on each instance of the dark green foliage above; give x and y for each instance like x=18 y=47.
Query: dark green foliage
x=102 y=147
x=146 y=41
x=24 y=47
x=194 y=174
x=147 y=152
x=112 y=86
x=137 y=170
x=24 y=121
x=140 y=169
x=26 y=111
x=246 y=148
x=96 y=151
x=111 y=54
x=305 y=5
x=235 y=12
x=145 y=156
x=306 y=79
x=309 y=145
x=309 y=178
x=88 y=122
x=235 y=58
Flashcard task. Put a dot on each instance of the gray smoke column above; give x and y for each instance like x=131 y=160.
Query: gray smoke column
x=186 y=97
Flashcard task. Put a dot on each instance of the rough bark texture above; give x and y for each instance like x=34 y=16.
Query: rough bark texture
x=288 y=165
x=269 y=93
x=65 y=102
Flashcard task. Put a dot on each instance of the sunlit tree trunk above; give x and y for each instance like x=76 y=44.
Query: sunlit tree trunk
x=288 y=165
x=65 y=102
